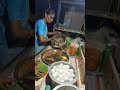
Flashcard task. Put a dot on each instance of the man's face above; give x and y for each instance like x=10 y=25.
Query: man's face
x=50 y=18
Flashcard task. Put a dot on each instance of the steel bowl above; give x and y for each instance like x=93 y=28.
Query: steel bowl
x=59 y=42
x=54 y=82
x=66 y=87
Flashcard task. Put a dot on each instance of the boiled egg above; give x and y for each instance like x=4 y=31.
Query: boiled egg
x=71 y=71
x=71 y=79
x=72 y=75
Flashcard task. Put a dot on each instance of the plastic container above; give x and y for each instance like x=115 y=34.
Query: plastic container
x=73 y=49
x=92 y=58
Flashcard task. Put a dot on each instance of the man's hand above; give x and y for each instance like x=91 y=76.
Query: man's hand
x=54 y=39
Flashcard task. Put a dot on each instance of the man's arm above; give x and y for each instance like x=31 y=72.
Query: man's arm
x=18 y=31
x=43 y=39
x=53 y=33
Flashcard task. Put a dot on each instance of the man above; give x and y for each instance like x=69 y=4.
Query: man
x=17 y=13
x=13 y=14
x=41 y=30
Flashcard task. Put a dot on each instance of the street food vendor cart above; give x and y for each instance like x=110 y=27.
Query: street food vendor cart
x=69 y=21
x=78 y=62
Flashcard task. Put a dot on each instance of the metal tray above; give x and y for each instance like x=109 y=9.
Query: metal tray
x=50 y=52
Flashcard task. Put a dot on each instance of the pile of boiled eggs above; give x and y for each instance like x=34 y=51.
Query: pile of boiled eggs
x=63 y=73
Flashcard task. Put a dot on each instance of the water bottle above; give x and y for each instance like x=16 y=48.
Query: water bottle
x=105 y=57
x=47 y=87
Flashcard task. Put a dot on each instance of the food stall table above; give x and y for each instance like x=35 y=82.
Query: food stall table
x=78 y=63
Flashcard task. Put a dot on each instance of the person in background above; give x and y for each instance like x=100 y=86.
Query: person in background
x=41 y=30
x=14 y=14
